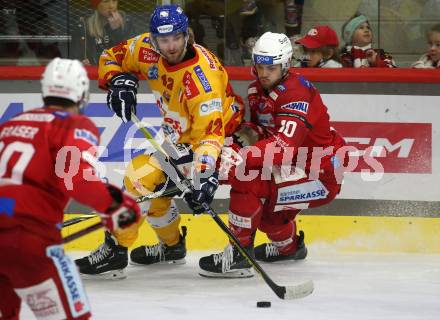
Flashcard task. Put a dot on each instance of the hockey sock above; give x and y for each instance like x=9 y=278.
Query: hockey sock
x=282 y=236
x=245 y=212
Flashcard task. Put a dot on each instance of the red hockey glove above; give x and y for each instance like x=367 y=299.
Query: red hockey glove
x=124 y=214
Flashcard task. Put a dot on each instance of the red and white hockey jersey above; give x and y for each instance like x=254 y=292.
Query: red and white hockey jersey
x=294 y=116
x=44 y=161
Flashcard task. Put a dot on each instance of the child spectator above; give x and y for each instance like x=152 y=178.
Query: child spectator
x=358 y=52
x=105 y=28
x=320 y=48
x=431 y=59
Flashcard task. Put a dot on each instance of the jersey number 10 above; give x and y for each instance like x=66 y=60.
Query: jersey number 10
x=26 y=151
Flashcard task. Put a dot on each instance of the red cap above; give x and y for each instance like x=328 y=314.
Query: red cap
x=318 y=37
x=94 y=3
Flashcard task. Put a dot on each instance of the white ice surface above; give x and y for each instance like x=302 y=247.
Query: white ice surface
x=357 y=286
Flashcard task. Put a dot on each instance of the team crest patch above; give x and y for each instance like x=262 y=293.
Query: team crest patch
x=153 y=73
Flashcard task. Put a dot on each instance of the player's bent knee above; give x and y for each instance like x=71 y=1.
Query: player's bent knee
x=143 y=175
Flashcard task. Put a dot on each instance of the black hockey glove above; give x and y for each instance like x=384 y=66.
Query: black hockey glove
x=205 y=193
x=121 y=96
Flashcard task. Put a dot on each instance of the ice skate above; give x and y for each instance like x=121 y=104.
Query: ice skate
x=268 y=252
x=160 y=253
x=106 y=262
x=227 y=264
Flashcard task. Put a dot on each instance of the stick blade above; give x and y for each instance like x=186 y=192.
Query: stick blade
x=299 y=291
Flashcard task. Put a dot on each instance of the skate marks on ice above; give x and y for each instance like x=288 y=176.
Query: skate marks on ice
x=347 y=286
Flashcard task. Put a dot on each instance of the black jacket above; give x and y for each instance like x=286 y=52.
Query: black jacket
x=84 y=46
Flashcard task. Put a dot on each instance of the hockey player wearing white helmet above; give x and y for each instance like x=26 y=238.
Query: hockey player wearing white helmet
x=288 y=119
x=271 y=57
x=34 y=190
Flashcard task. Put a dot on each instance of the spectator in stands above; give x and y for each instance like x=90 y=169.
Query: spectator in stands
x=255 y=21
x=431 y=59
x=358 y=51
x=320 y=48
x=16 y=21
x=105 y=28
x=292 y=14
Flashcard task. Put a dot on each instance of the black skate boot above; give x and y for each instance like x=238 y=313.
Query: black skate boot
x=267 y=252
x=227 y=264
x=160 y=253
x=106 y=262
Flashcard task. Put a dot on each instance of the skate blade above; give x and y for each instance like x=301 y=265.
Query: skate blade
x=242 y=273
x=172 y=262
x=109 y=275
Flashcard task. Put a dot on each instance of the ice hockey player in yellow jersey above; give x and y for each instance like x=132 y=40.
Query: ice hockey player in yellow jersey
x=199 y=109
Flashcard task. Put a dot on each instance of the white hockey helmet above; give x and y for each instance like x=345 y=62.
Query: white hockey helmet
x=67 y=79
x=273 y=48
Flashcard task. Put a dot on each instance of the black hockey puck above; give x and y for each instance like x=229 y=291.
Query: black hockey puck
x=263 y=304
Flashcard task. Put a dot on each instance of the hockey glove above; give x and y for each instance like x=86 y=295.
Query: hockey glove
x=124 y=214
x=208 y=187
x=121 y=96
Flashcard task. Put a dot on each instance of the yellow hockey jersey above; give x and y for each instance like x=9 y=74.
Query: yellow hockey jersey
x=196 y=100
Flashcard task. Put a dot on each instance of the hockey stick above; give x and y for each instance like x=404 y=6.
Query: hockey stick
x=82 y=232
x=174 y=190
x=283 y=292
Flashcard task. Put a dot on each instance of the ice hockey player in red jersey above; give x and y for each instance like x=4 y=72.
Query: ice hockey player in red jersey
x=292 y=147
x=47 y=157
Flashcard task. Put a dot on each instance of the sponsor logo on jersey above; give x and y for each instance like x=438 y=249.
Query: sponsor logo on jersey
x=148 y=55
x=62 y=114
x=85 y=135
x=7 y=206
x=107 y=63
x=166 y=95
x=252 y=90
x=273 y=95
x=146 y=40
x=300 y=106
x=266 y=119
x=34 y=117
x=70 y=280
x=133 y=44
x=259 y=59
x=303 y=192
x=191 y=89
x=207 y=57
x=235 y=107
x=153 y=73
x=281 y=87
x=203 y=80
x=305 y=83
x=210 y=106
